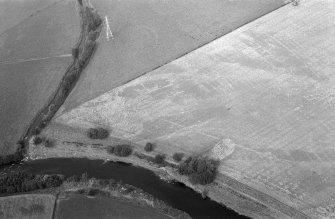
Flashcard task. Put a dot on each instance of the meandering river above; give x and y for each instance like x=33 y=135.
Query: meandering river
x=175 y=194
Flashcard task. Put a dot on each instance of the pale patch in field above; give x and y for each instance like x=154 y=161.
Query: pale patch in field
x=222 y=149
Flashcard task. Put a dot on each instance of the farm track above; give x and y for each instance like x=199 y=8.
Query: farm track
x=34 y=59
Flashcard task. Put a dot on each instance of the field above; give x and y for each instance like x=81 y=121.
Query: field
x=27 y=206
x=13 y=12
x=80 y=206
x=260 y=99
x=33 y=57
x=149 y=33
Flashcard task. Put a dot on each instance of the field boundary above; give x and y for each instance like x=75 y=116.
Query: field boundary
x=82 y=52
x=198 y=47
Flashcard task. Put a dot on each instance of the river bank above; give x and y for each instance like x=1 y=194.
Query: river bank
x=66 y=147
x=175 y=195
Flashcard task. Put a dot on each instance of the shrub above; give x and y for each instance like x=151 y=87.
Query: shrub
x=43 y=125
x=75 y=52
x=86 y=53
x=37 y=140
x=149 y=147
x=93 y=35
x=123 y=150
x=73 y=178
x=93 y=19
x=97 y=133
x=200 y=170
x=178 y=156
x=49 y=143
x=159 y=158
x=36 y=131
x=92 y=192
x=110 y=149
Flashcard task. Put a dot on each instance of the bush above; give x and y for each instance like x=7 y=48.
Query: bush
x=149 y=147
x=200 y=170
x=86 y=53
x=110 y=149
x=97 y=133
x=75 y=52
x=93 y=35
x=123 y=150
x=159 y=159
x=36 y=131
x=37 y=140
x=178 y=156
x=93 y=19
x=49 y=143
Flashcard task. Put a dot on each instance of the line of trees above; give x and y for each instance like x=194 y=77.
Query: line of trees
x=24 y=182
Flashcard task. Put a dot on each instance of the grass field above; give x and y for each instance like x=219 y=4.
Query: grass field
x=51 y=32
x=27 y=206
x=25 y=87
x=80 y=206
x=261 y=97
x=149 y=33
x=14 y=12
x=33 y=57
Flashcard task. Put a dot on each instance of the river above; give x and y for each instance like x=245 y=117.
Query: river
x=175 y=194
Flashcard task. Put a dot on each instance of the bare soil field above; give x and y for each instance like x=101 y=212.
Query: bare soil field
x=150 y=33
x=80 y=206
x=33 y=57
x=27 y=206
x=260 y=99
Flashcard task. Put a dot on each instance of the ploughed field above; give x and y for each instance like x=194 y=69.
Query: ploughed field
x=149 y=33
x=260 y=99
x=35 y=52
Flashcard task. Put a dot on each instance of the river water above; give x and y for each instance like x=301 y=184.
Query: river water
x=175 y=194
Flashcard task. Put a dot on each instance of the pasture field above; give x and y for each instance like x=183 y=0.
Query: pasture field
x=150 y=33
x=33 y=58
x=14 y=12
x=51 y=32
x=80 y=206
x=260 y=99
x=25 y=88
x=27 y=206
